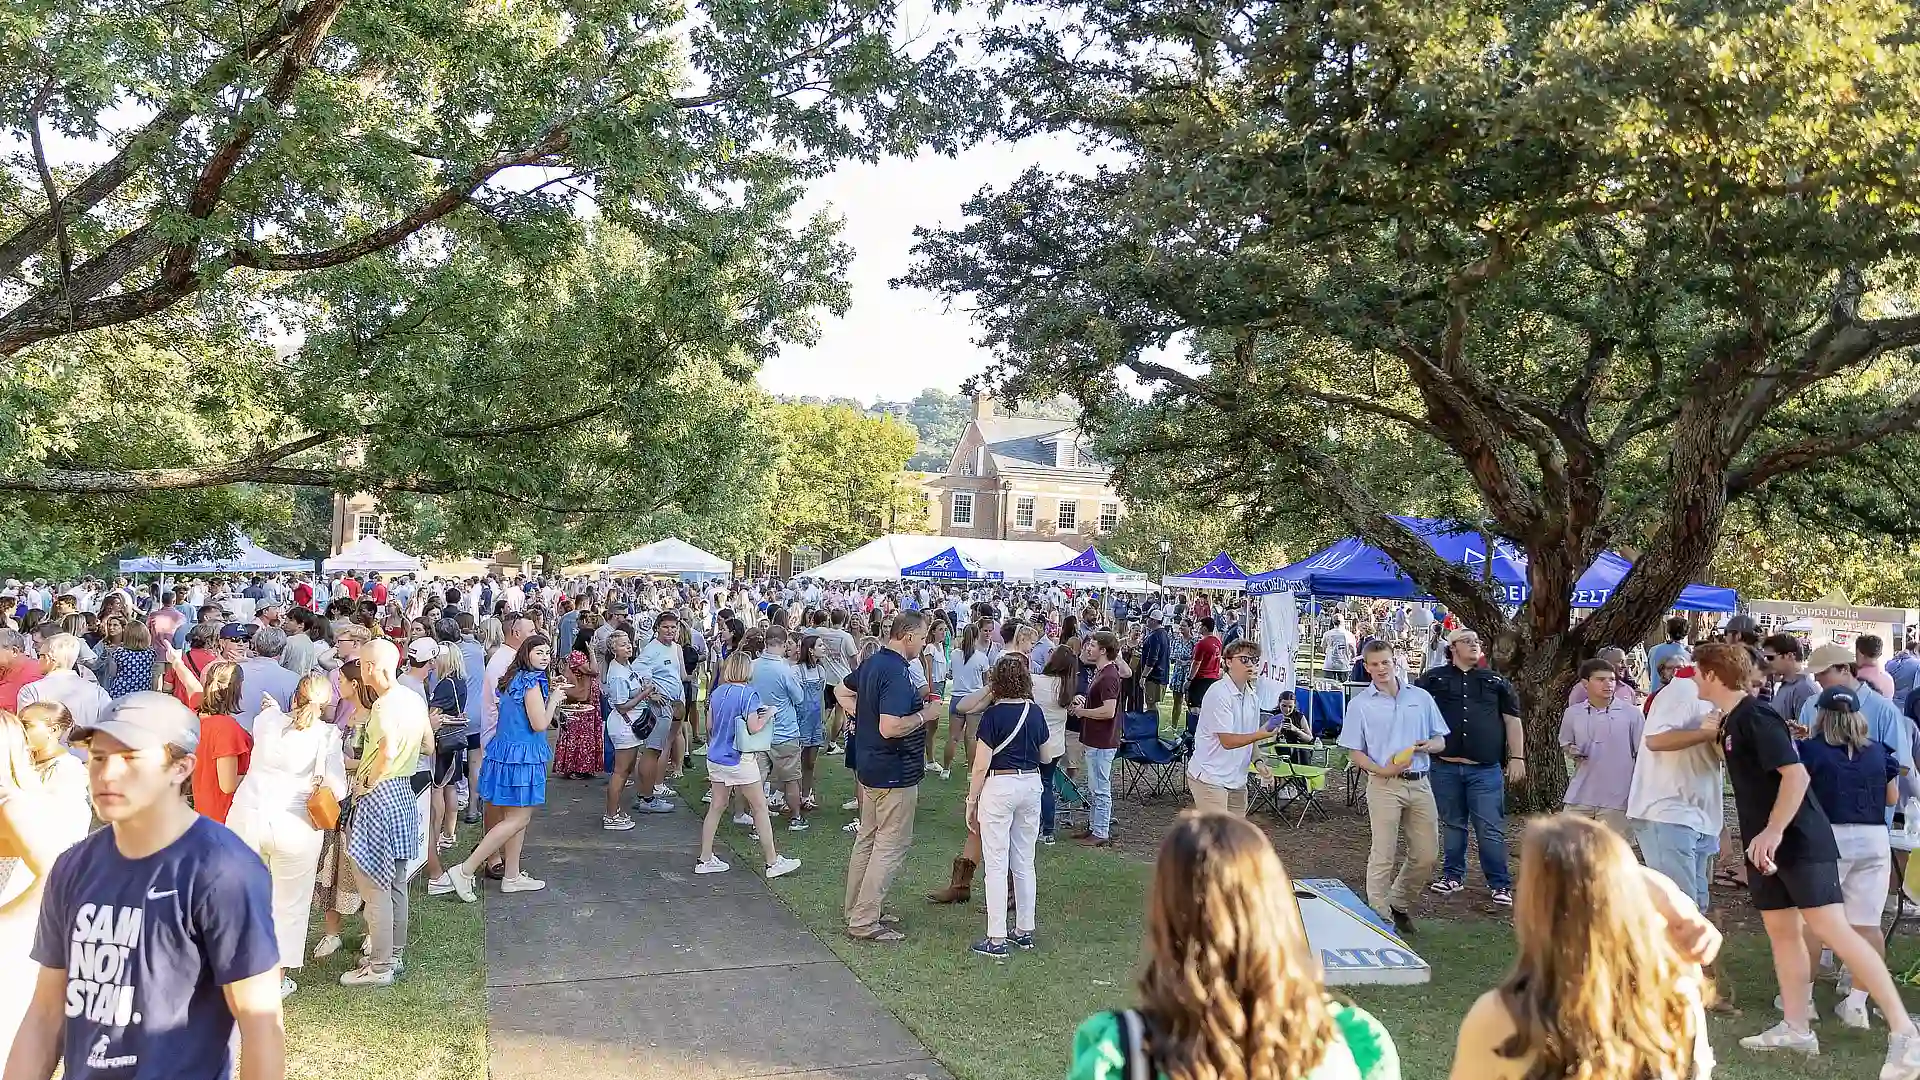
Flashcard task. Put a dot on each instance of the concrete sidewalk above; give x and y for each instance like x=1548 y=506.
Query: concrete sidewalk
x=628 y=965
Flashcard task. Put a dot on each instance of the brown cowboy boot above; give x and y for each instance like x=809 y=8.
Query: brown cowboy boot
x=960 y=889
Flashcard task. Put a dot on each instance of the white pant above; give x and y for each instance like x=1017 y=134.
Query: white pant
x=291 y=848
x=1009 y=826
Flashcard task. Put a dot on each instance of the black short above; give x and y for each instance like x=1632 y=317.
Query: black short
x=828 y=702
x=1197 y=691
x=1796 y=885
x=473 y=741
x=448 y=767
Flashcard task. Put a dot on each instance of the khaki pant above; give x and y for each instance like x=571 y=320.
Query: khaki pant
x=886 y=832
x=1150 y=692
x=1210 y=799
x=1605 y=815
x=1397 y=809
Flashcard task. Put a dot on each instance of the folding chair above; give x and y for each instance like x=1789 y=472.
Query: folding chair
x=1148 y=759
x=1068 y=802
x=1261 y=794
x=1299 y=784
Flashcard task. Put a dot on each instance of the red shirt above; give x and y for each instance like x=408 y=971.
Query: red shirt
x=379 y=592
x=1206 y=657
x=1102 y=734
x=24 y=672
x=352 y=586
x=220 y=737
x=1201 y=609
x=303 y=595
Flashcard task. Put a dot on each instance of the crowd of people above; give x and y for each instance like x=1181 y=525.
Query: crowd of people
x=266 y=747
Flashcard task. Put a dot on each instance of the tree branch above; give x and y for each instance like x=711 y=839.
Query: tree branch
x=1793 y=457
x=62 y=243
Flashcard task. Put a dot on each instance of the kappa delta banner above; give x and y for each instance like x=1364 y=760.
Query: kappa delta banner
x=1279 y=638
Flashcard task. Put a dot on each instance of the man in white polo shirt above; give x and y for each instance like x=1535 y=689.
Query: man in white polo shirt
x=1227 y=733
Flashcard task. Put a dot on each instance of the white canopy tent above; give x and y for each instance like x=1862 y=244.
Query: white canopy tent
x=883 y=559
x=250 y=558
x=372 y=553
x=670 y=556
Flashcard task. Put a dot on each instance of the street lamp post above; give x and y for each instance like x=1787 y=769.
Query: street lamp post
x=1166 y=549
x=1006 y=496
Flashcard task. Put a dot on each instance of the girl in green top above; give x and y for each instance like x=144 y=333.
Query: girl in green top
x=1229 y=986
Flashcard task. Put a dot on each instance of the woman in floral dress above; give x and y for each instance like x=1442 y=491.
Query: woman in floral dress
x=1180 y=666
x=578 y=755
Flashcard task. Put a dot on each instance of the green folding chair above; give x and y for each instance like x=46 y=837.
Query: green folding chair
x=1068 y=802
x=1298 y=785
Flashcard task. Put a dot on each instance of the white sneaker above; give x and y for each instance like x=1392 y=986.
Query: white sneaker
x=661 y=791
x=616 y=822
x=326 y=946
x=462 y=880
x=1782 y=1037
x=444 y=842
x=711 y=865
x=743 y=819
x=708 y=797
x=1852 y=1014
x=522 y=882
x=364 y=975
x=781 y=867
x=850 y=804
x=439 y=886
x=1903 y=1058
x=654 y=806
x=850 y=827
x=287 y=987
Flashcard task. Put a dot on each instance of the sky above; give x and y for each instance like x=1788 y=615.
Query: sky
x=893 y=343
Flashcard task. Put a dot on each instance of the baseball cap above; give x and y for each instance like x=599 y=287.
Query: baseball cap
x=1830 y=656
x=1838 y=699
x=1462 y=635
x=422 y=650
x=144 y=720
x=234 y=631
x=1740 y=624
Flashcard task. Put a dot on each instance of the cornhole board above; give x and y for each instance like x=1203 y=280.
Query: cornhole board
x=1355 y=945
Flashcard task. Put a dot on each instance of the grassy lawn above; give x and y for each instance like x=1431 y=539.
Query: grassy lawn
x=1015 y=1020
x=432 y=1025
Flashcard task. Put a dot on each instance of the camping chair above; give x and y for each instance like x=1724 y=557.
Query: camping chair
x=1148 y=759
x=1069 y=802
x=1262 y=794
x=1298 y=784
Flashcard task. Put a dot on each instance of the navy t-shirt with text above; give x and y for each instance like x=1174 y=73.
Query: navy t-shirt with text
x=147 y=945
x=883 y=685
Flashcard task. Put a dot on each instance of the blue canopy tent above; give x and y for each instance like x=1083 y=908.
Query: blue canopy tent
x=1219 y=573
x=1353 y=567
x=1092 y=568
x=951 y=565
x=250 y=559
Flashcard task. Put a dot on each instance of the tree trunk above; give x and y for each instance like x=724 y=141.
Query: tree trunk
x=1543 y=679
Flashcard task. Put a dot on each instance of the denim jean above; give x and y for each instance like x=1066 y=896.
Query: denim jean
x=1476 y=793
x=1048 y=804
x=1100 y=789
x=1685 y=856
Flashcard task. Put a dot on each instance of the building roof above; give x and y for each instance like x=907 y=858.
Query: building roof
x=1027 y=442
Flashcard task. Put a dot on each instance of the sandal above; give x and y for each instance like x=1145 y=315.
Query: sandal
x=886 y=935
x=1727 y=879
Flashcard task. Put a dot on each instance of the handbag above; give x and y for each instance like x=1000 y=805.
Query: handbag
x=323 y=808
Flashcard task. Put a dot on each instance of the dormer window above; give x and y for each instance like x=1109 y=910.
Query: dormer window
x=1066 y=454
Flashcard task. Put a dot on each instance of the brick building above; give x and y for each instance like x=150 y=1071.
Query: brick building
x=1025 y=478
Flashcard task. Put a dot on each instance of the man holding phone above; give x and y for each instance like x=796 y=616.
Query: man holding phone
x=1227 y=734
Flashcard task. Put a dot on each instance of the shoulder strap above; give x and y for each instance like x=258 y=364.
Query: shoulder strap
x=1015 y=733
x=1133 y=1044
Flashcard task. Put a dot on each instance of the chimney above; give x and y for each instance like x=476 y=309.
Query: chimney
x=983 y=406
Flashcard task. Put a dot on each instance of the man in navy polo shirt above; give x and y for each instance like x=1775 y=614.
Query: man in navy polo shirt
x=889 y=750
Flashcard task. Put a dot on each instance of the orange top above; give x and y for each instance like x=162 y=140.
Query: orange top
x=221 y=736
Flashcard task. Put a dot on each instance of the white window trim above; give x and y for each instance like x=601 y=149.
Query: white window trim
x=1032 y=512
x=1100 y=522
x=953 y=513
x=357 y=518
x=1062 y=504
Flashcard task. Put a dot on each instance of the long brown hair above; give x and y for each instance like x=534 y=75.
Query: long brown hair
x=1063 y=663
x=1230 y=989
x=1592 y=994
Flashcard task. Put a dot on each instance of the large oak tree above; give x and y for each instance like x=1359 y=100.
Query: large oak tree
x=517 y=258
x=1582 y=275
